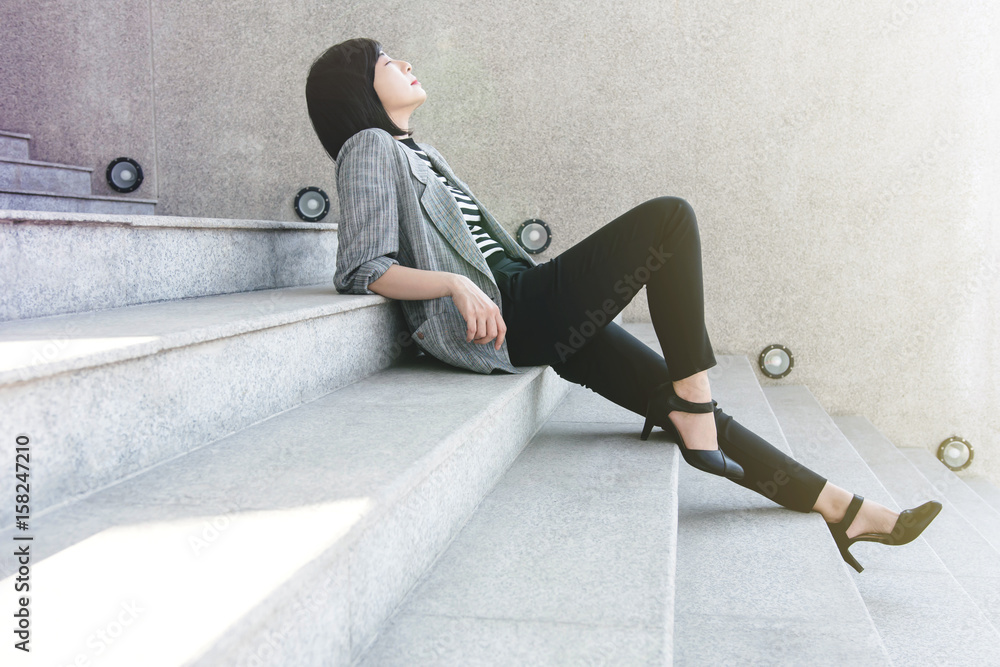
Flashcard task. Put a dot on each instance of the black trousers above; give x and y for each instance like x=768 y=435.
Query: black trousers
x=559 y=313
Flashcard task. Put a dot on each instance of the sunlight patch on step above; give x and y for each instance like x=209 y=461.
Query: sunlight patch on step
x=16 y=354
x=164 y=592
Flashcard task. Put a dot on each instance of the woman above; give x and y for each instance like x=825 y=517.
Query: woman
x=473 y=298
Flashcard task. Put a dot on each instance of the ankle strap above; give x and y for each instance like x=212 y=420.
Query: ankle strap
x=687 y=406
x=852 y=511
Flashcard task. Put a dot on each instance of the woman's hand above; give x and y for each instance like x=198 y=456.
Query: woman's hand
x=481 y=315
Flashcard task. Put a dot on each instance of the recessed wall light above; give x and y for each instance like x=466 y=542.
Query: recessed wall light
x=775 y=361
x=956 y=453
x=534 y=235
x=124 y=174
x=312 y=204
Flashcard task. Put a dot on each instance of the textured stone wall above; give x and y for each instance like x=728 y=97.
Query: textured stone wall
x=841 y=156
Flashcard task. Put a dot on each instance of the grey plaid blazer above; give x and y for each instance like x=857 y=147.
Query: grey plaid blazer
x=394 y=210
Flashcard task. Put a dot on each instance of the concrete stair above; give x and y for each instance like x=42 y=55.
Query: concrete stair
x=289 y=541
x=568 y=560
x=124 y=260
x=571 y=557
x=275 y=476
x=758 y=583
x=27 y=184
x=916 y=592
x=32 y=175
x=984 y=517
x=247 y=478
x=114 y=392
x=965 y=539
x=984 y=488
x=14 y=145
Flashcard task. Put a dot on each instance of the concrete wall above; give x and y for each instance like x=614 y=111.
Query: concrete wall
x=77 y=77
x=841 y=156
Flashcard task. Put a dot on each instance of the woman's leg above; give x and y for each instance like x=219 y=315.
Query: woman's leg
x=557 y=311
x=871 y=518
x=623 y=369
x=618 y=366
x=655 y=244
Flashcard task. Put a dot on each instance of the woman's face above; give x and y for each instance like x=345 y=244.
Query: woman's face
x=397 y=87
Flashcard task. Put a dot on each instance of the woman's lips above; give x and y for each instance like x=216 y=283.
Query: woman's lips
x=415 y=82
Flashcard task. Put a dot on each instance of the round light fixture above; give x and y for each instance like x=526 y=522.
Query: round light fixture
x=956 y=453
x=775 y=361
x=534 y=235
x=124 y=174
x=312 y=204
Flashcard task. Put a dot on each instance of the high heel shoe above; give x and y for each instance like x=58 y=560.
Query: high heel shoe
x=662 y=402
x=908 y=527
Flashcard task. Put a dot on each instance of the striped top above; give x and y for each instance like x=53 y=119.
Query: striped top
x=491 y=249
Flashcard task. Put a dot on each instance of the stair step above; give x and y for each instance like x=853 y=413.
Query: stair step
x=31 y=175
x=568 y=560
x=968 y=556
x=113 y=392
x=908 y=589
x=984 y=488
x=983 y=516
x=57 y=263
x=43 y=200
x=292 y=540
x=14 y=145
x=587 y=509
x=758 y=583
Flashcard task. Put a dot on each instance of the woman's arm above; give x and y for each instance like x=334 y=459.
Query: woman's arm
x=368 y=230
x=484 y=323
x=409 y=284
x=369 y=241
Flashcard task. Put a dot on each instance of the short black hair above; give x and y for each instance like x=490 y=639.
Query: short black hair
x=341 y=97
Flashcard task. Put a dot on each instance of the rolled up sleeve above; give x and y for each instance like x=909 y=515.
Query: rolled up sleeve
x=368 y=232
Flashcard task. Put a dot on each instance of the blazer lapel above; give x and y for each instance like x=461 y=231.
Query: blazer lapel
x=444 y=211
x=501 y=235
x=487 y=220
